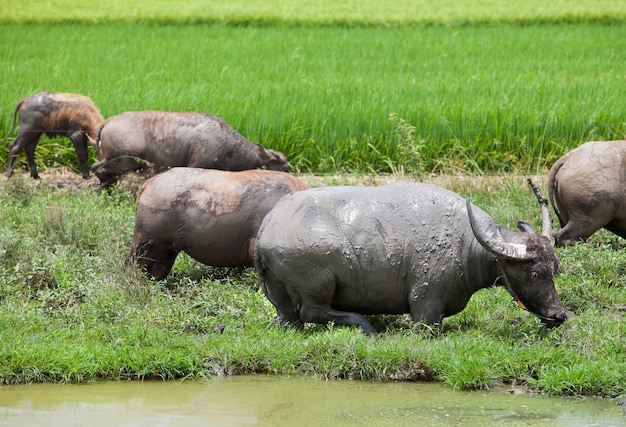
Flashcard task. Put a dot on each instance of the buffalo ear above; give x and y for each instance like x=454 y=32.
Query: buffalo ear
x=276 y=155
x=525 y=227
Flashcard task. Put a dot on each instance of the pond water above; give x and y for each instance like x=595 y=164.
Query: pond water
x=302 y=401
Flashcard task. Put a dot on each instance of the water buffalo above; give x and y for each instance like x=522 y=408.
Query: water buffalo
x=167 y=139
x=333 y=254
x=587 y=189
x=211 y=215
x=55 y=114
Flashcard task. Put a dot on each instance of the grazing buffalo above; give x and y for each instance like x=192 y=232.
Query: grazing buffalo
x=212 y=215
x=55 y=114
x=334 y=254
x=587 y=189
x=129 y=141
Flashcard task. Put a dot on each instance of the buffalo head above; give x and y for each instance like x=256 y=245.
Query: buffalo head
x=528 y=262
x=276 y=161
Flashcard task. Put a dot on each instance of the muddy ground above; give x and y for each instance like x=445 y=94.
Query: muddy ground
x=67 y=178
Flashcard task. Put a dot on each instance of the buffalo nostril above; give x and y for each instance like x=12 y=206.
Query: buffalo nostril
x=561 y=317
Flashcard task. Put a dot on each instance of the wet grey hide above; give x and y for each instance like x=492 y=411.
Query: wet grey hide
x=54 y=114
x=335 y=254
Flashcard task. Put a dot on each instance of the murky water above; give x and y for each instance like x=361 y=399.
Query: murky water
x=295 y=401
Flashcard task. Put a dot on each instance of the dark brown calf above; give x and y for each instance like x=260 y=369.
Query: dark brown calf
x=54 y=114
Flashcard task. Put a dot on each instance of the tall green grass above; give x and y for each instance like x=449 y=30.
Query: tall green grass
x=492 y=98
x=348 y=13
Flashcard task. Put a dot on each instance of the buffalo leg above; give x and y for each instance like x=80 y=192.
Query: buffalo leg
x=276 y=293
x=79 y=140
x=316 y=303
x=562 y=238
x=161 y=267
x=28 y=143
x=618 y=227
x=426 y=304
x=157 y=259
x=318 y=313
x=11 y=163
x=30 y=157
x=432 y=315
x=575 y=231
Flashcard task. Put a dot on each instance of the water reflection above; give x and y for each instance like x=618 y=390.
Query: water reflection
x=272 y=401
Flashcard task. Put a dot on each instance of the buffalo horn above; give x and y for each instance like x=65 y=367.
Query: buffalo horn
x=546 y=216
x=495 y=243
x=92 y=141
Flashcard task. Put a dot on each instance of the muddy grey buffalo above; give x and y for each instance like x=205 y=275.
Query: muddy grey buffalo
x=54 y=114
x=335 y=254
x=587 y=189
x=162 y=139
x=212 y=215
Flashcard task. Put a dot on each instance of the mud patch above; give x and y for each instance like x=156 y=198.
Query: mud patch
x=456 y=182
x=67 y=178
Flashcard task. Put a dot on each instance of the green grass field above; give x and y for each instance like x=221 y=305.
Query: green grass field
x=70 y=312
x=481 y=98
x=348 y=13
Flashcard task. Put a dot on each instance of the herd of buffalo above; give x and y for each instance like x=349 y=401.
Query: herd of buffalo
x=327 y=254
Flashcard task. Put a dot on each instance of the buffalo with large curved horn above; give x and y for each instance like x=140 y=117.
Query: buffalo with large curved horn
x=337 y=254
